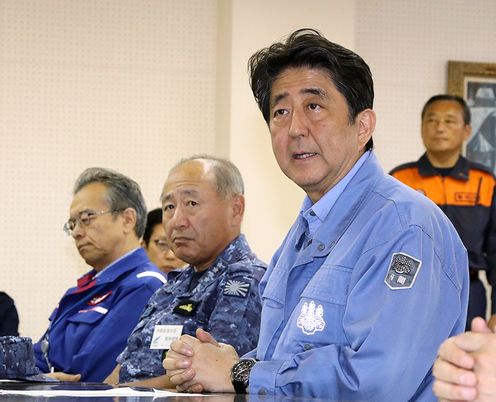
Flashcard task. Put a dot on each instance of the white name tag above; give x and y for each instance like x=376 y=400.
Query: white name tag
x=163 y=335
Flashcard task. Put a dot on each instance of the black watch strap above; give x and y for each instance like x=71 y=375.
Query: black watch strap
x=240 y=375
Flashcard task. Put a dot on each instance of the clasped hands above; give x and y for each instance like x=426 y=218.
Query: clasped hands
x=200 y=364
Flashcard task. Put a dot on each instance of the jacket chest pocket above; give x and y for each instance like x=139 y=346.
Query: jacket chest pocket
x=317 y=319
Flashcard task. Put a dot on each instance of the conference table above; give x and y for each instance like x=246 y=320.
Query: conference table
x=16 y=391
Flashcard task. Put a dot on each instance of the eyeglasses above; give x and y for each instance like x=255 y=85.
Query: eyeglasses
x=162 y=244
x=84 y=219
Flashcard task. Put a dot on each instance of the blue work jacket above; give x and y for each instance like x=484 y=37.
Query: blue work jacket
x=90 y=326
x=358 y=311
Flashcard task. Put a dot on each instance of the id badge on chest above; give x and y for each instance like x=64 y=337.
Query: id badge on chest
x=163 y=335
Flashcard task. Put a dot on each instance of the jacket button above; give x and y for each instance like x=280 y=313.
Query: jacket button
x=306 y=346
x=262 y=391
x=321 y=247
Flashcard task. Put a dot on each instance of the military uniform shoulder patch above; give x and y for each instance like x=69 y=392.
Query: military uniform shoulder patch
x=236 y=288
x=402 y=271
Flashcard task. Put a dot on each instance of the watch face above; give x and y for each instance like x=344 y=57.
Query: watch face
x=240 y=374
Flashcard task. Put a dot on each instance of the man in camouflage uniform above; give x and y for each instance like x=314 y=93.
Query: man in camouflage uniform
x=203 y=206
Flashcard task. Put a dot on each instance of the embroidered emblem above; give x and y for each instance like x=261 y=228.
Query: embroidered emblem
x=236 y=288
x=402 y=271
x=186 y=307
x=311 y=319
x=99 y=298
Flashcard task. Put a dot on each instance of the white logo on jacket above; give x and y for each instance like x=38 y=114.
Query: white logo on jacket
x=311 y=319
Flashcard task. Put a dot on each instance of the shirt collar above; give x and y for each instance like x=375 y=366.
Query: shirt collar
x=115 y=262
x=315 y=214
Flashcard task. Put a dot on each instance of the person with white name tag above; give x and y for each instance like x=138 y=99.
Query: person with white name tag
x=203 y=206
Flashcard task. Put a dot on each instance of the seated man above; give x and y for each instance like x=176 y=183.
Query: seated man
x=92 y=321
x=372 y=276
x=156 y=246
x=9 y=320
x=203 y=206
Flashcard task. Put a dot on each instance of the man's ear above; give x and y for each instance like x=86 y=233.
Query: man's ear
x=130 y=219
x=467 y=131
x=238 y=208
x=365 y=122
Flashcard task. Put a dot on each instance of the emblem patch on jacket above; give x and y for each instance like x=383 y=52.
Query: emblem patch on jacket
x=402 y=271
x=311 y=318
x=99 y=298
x=236 y=288
x=186 y=307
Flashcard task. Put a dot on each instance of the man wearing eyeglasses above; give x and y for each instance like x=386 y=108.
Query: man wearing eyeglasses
x=92 y=321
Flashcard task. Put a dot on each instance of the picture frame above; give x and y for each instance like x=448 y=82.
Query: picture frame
x=476 y=83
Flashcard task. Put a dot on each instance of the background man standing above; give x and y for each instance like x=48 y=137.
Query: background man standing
x=92 y=321
x=370 y=278
x=464 y=190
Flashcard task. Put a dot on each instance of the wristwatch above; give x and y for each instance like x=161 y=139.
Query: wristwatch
x=240 y=375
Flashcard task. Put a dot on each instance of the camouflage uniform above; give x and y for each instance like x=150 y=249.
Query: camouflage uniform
x=225 y=302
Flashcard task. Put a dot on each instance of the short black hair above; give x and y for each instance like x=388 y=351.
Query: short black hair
x=453 y=98
x=153 y=218
x=308 y=48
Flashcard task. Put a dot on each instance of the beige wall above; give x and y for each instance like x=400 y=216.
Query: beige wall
x=132 y=86
x=135 y=85
x=273 y=200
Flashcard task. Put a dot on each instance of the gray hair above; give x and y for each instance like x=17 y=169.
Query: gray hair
x=122 y=192
x=228 y=179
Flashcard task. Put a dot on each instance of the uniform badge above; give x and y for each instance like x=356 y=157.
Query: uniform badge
x=236 y=288
x=99 y=298
x=311 y=319
x=186 y=307
x=402 y=271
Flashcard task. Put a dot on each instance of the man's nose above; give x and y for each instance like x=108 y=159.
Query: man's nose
x=78 y=231
x=298 y=124
x=179 y=218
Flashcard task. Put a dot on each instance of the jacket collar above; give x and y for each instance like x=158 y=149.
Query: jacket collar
x=235 y=251
x=459 y=172
x=341 y=215
x=110 y=274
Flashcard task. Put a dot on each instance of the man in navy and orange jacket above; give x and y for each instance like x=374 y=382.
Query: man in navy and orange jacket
x=463 y=189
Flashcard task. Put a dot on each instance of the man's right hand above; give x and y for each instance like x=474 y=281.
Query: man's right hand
x=189 y=364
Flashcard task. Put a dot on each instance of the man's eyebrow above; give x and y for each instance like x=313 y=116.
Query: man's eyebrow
x=169 y=196
x=315 y=91
x=312 y=91
x=278 y=98
x=87 y=210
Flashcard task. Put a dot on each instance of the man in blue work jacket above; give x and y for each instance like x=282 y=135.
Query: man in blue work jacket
x=92 y=321
x=372 y=276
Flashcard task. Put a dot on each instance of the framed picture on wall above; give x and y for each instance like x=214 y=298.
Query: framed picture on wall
x=476 y=83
